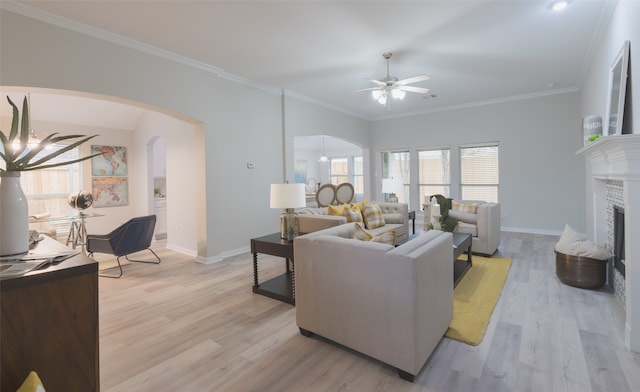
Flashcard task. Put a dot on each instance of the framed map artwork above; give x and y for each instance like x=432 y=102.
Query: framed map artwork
x=109 y=191
x=112 y=162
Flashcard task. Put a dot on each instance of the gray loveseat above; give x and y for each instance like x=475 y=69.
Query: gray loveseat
x=391 y=303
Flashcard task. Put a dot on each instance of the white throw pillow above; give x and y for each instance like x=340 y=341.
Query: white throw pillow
x=574 y=243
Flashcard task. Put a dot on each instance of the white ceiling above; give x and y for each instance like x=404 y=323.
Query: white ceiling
x=474 y=51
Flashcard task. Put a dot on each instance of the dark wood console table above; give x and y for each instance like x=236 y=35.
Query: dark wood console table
x=281 y=287
x=49 y=324
x=461 y=244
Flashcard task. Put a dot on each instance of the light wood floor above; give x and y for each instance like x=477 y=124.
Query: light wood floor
x=183 y=326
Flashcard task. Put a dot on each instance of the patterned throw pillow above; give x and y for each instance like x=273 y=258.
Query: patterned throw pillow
x=469 y=208
x=336 y=210
x=373 y=216
x=359 y=233
x=352 y=214
x=388 y=237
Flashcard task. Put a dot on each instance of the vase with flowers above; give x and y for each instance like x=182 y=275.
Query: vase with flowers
x=20 y=153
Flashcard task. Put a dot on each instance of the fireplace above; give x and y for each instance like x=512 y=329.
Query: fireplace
x=618 y=240
x=613 y=217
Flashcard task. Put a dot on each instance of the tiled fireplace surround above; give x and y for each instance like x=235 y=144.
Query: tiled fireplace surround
x=613 y=168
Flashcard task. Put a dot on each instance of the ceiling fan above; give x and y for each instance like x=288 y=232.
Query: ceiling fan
x=390 y=86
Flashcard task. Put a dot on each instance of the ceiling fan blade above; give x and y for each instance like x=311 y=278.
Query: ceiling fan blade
x=378 y=82
x=414 y=79
x=367 y=89
x=413 y=89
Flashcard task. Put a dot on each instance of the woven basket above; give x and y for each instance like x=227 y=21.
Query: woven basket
x=582 y=272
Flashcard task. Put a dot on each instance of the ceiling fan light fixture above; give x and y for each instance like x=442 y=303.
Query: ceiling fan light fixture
x=376 y=94
x=382 y=100
x=398 y=94
x=558 y=5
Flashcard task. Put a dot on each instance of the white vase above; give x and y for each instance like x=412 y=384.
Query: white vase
x=14 y=215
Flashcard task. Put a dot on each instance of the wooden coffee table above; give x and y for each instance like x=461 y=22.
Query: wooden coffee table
x=281 y=287
x=461 y=244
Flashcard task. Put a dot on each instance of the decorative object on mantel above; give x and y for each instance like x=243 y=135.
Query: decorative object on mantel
x=20 y=153
x=592 y=128
x=617 y=91
x=288 y=197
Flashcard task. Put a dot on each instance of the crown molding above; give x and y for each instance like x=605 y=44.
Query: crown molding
x=314 y=101
x=483 y=103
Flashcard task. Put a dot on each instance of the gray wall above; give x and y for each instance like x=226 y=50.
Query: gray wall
x=233 y=205
x=623 y=26
x=541 y=179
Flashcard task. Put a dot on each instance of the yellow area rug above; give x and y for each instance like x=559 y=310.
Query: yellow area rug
x=475 y=297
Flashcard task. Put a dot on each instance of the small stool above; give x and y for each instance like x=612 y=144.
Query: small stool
x=582 y=272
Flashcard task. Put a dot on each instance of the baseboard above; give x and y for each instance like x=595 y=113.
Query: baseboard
x=529 y=230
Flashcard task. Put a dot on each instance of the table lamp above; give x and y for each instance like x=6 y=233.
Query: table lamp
x=288 y=197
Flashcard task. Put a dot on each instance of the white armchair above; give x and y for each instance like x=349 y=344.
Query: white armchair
x=482 y=222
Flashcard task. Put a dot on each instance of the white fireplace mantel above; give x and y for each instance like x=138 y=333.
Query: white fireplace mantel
x=617 y=158
x=614 y=157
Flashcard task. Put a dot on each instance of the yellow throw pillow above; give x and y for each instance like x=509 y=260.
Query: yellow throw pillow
x=373 y=216
x=336 y=210
x=353 y=214
x=31 y=384
x=359 y=233
x=469 y=208
x=360 y=205
x=388 y=237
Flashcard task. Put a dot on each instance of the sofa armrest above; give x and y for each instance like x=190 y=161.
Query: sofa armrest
x=489 y=226
x=311 y=223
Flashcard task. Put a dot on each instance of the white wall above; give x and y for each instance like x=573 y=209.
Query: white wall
x=541 y=179
x=180 y=141
x=623 y=26
x=238 y=123
x=305 y=119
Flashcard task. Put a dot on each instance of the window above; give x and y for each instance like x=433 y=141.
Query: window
x=395 y=165
x=434 y=173
x=479 y=172
x=358 y=178
x=48 y=190
x=339 y=170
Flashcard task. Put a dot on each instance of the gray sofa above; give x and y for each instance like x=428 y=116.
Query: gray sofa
x=396 y=217
x=391 y=303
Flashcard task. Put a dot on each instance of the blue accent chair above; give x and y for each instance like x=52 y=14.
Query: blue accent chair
x=133 y=236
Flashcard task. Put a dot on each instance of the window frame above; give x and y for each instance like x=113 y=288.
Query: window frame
x=444 y=185
x=462 y=185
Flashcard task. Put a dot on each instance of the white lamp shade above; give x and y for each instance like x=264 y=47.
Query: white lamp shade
x=391 y=185
x=287 y=196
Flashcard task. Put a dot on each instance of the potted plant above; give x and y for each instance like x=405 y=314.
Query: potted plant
x=18 y=156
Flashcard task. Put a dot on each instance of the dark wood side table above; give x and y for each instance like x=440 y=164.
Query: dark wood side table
x=49 y=324
x=281 y=287
x=412 y=216
x=461 y=244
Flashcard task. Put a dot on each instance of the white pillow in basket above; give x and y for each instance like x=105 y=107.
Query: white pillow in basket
x=574 y=243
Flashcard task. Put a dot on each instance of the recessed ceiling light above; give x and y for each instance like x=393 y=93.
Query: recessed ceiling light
x=558 y=5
